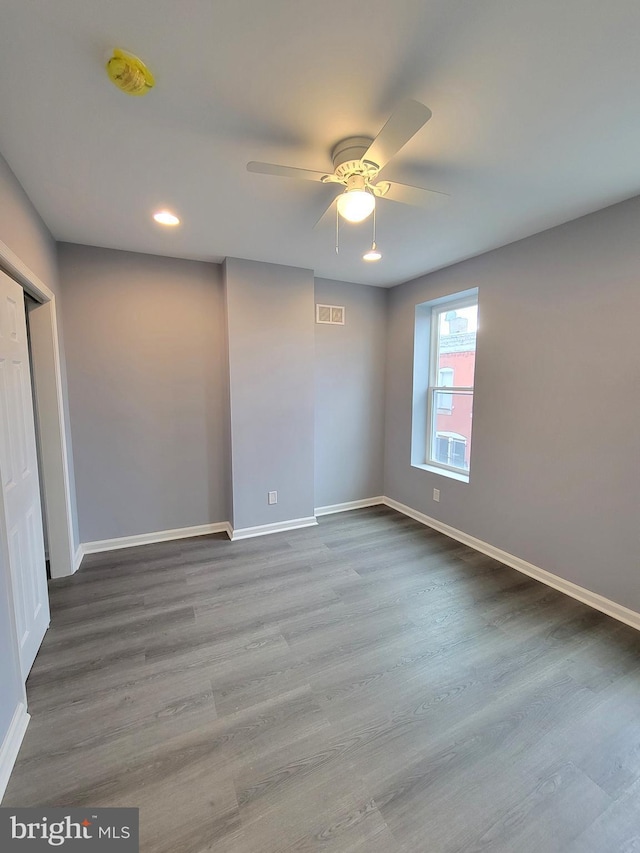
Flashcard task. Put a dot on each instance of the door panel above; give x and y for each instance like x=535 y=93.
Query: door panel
x=20 y=514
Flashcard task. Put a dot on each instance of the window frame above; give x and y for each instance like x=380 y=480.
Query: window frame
x=433 y=388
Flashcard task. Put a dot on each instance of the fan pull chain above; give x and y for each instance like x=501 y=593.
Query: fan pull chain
x=337 y=232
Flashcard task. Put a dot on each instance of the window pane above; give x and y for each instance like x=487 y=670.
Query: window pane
x=444 y=402
x=457 y=343
x=442 y=450
x=450 y=438
x=457 y=453
x=445 y=376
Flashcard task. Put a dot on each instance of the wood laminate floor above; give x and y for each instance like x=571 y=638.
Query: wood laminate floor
x=368 y=686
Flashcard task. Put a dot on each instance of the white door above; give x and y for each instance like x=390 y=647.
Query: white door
x=20 y=516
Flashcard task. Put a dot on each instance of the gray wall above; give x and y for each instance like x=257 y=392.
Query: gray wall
x=145 y=362
x=271 y=371
x=555 y=460
x=349 y=387
x=24 y=232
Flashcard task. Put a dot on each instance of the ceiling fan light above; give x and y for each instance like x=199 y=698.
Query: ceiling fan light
x=356 y=205
x=374 y=254
x=165 y=217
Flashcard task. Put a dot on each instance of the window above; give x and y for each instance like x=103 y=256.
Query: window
x=450 y=450
x=452 y=356
x=445 y=379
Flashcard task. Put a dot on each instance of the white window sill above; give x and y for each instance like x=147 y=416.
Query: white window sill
x=444 y=472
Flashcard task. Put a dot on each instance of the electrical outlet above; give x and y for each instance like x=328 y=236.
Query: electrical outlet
x=273 y=497
x=436 y=494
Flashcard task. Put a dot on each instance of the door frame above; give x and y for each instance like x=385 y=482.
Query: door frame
x=64 y=556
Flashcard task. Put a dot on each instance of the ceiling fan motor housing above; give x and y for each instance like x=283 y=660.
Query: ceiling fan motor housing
x=347 y=158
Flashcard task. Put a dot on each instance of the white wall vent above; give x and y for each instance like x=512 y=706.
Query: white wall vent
x=332 y=315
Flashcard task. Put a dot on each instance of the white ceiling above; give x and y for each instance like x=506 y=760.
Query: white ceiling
x=535 y=121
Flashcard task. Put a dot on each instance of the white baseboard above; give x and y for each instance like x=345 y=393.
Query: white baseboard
x=276 y=527
x=77 y=560
x=151 y=538
x=101 y=545
x=11 y=745
x=345 y=507
x=598 y=602
x=593 y=599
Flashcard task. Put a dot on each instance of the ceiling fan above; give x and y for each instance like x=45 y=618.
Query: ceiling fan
x=358 y=160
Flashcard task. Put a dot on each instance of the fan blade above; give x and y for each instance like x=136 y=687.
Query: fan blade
x=285 y=171
x=327 y=214
x=416 y=196
x=403 y=123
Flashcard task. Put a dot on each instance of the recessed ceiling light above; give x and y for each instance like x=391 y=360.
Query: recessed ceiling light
x=165 y=217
